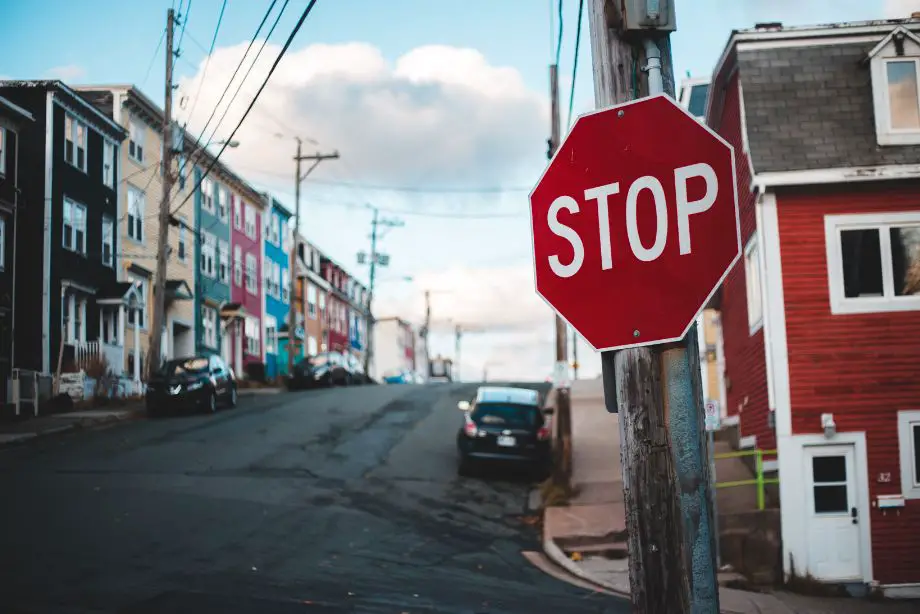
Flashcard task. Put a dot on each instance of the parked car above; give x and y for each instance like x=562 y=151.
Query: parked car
x=356 y=371
x=199 y=382
x=504 y=424
x=399 y=376
x=323 y=370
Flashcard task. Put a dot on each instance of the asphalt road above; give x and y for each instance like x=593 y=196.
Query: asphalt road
x=343 y=500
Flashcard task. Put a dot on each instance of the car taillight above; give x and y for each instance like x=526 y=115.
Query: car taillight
x=544 y=433
x=469 y=427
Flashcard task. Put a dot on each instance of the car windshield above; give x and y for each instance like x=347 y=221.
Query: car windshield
x=185 y=366
x=507 y=414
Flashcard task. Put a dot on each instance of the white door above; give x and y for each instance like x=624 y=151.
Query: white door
x=833 y=513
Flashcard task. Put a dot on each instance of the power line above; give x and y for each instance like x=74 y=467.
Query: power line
x=581 y=6
x=184 y=18
x=559 y=38
x=249 y=70
x=207 y=62
x=154 y=58
x=271 y=71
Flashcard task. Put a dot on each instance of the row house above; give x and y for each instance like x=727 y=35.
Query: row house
x=276 y=278
x=138 y=227
x=394 y=347
x=346 y=312
x=246 y=289
x=821 y=315
x=13 y=120
x=75 y=309
x=314 y=292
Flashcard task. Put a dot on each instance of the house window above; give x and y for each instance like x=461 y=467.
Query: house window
x=238 y=266
x=253 y=337
x=752 y=282
x=311 y=301
x=108 y=164
x=224 y=265
x=276 y=276
x=74 y=227
x=237 y=216
x=909 y=446
x=276 y=230
x=2 y=151
x=182 y=170
x=141 y=311
x=209 y=326
x=74 y=142
x=208 y=254
x=322 y=302
x=136 y=206
x=873 y=262
x=895 y=68
x=221 y=195
x=73 y=317
x=207 y=195
x=108 y=240
x=180 y=247
x=136 y=135
x=252 y=284
x=250 y=213
x=2 y=243
x=285 y=283
x=271 y=331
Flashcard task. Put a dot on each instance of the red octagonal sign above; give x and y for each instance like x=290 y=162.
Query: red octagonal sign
x=635 y=223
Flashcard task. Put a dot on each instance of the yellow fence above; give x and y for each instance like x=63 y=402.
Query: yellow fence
x=759 y=480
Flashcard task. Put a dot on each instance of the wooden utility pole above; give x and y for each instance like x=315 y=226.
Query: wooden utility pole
x=425 y=331
x=375 y=256
x=293 y=344
x=159 y=290
x=656 y=390
x=554 y=140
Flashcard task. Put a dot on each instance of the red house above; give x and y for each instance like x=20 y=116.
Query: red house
x=821 y=318
x=336 y=324
x=246 y=287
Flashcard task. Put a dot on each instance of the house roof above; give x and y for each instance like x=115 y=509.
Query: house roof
x=808 y=103
x=101 y=119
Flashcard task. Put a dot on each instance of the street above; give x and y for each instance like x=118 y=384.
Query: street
x=341 y=500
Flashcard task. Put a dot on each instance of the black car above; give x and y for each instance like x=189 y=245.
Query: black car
x=199 y=382
x=323 y=370
x=504 y=424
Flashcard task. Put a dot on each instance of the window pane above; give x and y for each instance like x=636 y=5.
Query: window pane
x=829 y=469
x=902 y=95
x=830 y=499
x=862 y=263
x=905 y=256
x=916 y=433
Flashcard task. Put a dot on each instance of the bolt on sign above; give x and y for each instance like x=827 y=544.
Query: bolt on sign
x=635 y=223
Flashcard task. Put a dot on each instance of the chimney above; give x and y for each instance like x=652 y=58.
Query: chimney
x=769 y=25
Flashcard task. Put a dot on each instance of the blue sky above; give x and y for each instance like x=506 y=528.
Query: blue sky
x=461 y=246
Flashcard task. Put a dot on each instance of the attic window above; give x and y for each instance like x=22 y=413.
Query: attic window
x=895 y=68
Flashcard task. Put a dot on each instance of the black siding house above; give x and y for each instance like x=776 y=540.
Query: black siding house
x=12 y=121
x=67 y=268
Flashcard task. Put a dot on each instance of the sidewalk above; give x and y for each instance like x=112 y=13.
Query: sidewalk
x=593 y=525
x=19 y=431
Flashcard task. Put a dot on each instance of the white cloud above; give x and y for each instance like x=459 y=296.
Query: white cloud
x=437 y=116
x=66 y=73
x=901 y=9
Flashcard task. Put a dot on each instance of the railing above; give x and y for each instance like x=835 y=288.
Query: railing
x=84 y=352
x=759 y=480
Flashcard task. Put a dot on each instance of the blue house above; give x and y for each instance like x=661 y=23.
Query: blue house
x=212 y=252
x=277 y=300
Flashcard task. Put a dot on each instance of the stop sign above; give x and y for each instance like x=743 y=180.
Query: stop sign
x=635 y=223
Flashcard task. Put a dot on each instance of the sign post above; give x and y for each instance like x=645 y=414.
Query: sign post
x=635 y=225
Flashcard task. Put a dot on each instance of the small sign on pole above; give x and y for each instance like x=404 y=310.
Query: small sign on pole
x=713 y=417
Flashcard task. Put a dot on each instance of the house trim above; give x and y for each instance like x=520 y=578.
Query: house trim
x=901 y=591
x=46 y=247
x=86 y=120
x=794 y=519
x=69 y=283
x=762 y=181
x=791 y=43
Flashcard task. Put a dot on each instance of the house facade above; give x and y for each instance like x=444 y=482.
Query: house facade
x=337 y=306
x=246 y=292
x=276 y=267
x=74 y=309
x=13 y=119
x=394 y=347
x=139 y=229
x=357 y=318
x=315 y=296
x=821 y=315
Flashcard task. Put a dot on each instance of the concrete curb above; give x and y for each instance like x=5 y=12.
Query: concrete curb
x=10 y=439
x=257 y=391
x=557 y=556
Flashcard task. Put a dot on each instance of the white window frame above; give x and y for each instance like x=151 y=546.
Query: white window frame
x=220 y=196
x=2 y=243
x=753 y=282
x=249 y=215
x=142 y=284
x=271 y=326
x=237 y=266
x=237 y=214
x=278 y=278
x=223 y=262
x=252 y=273
x=108 y=241
x=137 y=206
x=208 y=255
x=885 y=134
x=137 y=137
x=181 y=244
x=75 y=140
x=3 y=141
x=70 y=229
x=209 y=326
x=207 y=195
x=311 y=301
x=833 y=226
x=108 y=164
x=253 y=336
x=285 y=285
x=910 y=483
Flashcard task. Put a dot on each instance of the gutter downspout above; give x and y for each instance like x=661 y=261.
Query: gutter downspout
x=15 y=250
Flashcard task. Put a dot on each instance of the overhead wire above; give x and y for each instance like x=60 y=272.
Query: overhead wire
x=284 y=49
x=207 y=62
x=184 y=19
x=153 y=60
x=559 y=38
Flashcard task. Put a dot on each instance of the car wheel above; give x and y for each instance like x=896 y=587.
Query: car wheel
x=233 y=399
x=212 y=402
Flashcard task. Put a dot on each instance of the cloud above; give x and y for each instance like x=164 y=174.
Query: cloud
x=66 y=73
x=901 y=9
x=438 y=115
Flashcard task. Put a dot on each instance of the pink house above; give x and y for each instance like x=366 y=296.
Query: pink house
x=246 y=280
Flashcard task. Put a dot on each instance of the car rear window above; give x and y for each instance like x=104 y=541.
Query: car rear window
x=506 y=414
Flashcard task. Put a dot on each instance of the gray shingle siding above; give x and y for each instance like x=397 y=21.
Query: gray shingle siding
x=811 y=108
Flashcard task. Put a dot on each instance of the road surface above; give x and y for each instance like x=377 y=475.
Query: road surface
x=342 y=500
